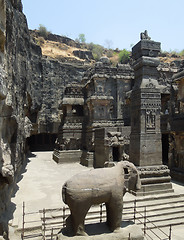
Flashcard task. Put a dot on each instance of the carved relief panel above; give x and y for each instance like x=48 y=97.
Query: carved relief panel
x=100 y=87
x=150 y=120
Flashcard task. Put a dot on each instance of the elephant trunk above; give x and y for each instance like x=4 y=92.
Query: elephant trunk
x=138 y=183
x=64 y=193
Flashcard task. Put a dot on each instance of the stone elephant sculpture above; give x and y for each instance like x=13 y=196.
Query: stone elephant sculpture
x=102 y=185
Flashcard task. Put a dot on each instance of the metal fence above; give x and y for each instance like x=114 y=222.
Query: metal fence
x=53 y=220
x=141 y=218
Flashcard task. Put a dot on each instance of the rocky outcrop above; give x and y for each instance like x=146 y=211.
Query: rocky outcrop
x=87 y=55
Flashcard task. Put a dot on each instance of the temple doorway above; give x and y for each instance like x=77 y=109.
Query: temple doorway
x=116 y=154
x=165 y=148
x=42 y=142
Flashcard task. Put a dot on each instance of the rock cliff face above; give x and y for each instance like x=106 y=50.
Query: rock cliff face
x=18 y=61
x=31 y=89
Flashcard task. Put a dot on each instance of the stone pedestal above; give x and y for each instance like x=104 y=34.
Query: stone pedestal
x=101 y=232
x=155 y=180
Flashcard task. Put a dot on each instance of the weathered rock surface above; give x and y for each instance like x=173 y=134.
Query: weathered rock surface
x=83 y=54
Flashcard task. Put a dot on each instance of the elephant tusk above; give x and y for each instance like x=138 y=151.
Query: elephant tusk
x=83 y=189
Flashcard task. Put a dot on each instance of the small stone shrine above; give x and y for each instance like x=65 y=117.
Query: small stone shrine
x=145 y=137
x=69 y=141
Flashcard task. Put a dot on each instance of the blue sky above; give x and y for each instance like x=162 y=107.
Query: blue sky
x=118 y=22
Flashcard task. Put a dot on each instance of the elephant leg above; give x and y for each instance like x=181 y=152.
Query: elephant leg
x=69 y=227
x=114 y=214
x=78 y=215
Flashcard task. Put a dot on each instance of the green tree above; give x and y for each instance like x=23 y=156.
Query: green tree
x=82 y=38
x=124 y=56
x=182 y=53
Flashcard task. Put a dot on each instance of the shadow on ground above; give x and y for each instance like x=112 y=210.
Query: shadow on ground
x=96 y=228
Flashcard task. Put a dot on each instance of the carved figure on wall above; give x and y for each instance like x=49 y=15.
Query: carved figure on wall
x=150 y=119
x=87 y=188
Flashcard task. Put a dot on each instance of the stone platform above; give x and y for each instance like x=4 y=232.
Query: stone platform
x=154 y=179
x=100 y=232
x=67 y=156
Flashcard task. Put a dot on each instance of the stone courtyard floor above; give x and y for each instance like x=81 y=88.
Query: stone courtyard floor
x=41 y=182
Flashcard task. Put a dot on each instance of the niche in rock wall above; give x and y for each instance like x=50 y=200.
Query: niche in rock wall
x=2 y=28
x=42 y=142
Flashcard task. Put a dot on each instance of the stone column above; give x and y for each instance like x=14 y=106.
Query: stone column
x=145 y=139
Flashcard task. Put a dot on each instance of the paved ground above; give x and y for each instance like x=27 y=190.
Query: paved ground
x=41 y=182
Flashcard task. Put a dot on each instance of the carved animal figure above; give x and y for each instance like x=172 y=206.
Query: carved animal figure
x=144 y=35
x=103 y=185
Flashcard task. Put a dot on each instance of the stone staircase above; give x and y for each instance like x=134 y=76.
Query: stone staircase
x=161 y=211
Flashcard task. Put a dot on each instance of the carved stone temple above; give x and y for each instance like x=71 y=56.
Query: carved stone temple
x=86 y=111
x=96 y=118
x=123 y=112
x=115 y=114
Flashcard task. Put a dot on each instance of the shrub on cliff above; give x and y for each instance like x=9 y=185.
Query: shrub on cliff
x=43 y=31
x=96 y=49
x=124 y=56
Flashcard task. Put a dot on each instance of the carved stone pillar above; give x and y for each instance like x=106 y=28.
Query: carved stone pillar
x=145 y=139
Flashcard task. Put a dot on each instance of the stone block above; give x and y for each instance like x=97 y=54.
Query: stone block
x=146 y=48
x=67 y=156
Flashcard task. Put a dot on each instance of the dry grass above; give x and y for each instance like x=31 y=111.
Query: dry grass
x=58 y=50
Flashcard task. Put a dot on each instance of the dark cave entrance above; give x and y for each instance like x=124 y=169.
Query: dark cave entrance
x=115 y=154
x=165 y=148
x=42 y=142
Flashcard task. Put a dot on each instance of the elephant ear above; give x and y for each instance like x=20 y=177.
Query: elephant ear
x=132 y=179
x=126 y=170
